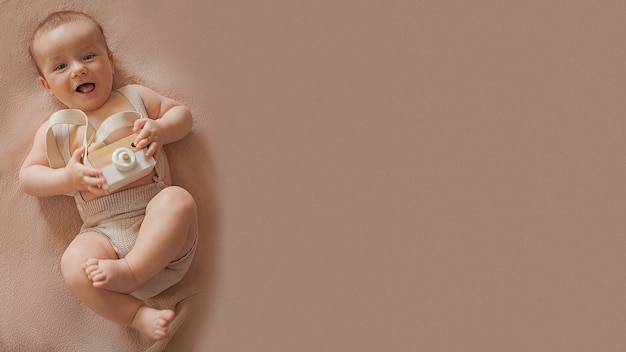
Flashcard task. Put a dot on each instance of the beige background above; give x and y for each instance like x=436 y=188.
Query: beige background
x=372 y=175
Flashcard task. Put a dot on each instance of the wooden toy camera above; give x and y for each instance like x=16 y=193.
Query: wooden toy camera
x=121 y=162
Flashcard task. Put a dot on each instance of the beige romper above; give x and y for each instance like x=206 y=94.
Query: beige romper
x=119 y=215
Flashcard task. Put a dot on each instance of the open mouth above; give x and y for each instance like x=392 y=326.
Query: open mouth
x=86 y=88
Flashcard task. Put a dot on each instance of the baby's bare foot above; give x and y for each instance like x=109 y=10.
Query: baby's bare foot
x=153 y=323
x=114 y=275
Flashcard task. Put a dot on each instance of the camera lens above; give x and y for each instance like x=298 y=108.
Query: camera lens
x=123 y=159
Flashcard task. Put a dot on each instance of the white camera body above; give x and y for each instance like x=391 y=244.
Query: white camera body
x=121 y=163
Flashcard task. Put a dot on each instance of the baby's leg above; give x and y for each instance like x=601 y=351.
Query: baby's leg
x=167 y=233
x=117 y=307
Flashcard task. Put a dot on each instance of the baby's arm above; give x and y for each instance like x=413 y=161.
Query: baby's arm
x=169 y=121
x=37 y=178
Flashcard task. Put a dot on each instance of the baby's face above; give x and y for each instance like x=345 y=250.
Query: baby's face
x=76 y=65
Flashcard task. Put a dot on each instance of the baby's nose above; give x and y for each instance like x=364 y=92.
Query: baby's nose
x=79 y=70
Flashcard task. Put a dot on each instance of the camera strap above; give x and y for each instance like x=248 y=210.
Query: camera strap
x=92 y=140
x=110 y=125
x=66 y=116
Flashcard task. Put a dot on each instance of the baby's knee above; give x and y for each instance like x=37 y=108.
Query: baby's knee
x=70 y=257
x=71 y=264
x=176 y=199
x=81 y=249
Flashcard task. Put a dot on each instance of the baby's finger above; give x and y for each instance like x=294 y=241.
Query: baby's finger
x=78 y=154
x=97 y=189
x=93 y=178
x=140 y=143
x=138 y=125
x=142 y=139
x=92 y=173
x=152 y=148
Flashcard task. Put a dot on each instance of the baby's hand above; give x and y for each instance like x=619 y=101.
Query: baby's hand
x=82 y=177
x=148 y=133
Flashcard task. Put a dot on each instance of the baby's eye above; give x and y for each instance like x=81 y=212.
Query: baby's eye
x=60 y=67
x=88 y=57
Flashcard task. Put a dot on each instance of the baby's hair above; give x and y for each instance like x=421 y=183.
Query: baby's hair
x=56 y=19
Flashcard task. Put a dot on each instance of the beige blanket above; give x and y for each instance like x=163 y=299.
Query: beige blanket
x=440 y=175
x=39 y=313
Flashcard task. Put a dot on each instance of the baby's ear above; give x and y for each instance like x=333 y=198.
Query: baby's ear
x=45 y=85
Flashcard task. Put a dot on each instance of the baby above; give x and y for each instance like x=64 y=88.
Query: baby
x=139 y=240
